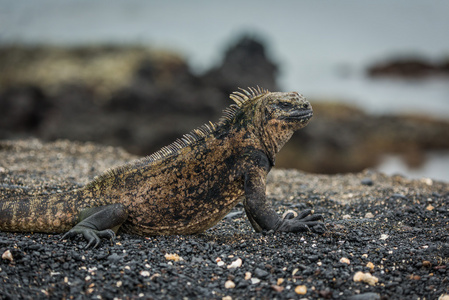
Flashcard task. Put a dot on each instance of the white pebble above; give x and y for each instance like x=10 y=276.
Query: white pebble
x=7 y=255
x=255 y=280
x=383 y=236
x=248 y=275
x=295 y=214
x=369 y=215
x=229 y=284
x=345 y=260
x=235 y=264
x=365 y=277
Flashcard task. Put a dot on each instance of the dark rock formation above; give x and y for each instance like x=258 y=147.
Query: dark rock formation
x=408 y=68
x=244 y=64
x=22 y=109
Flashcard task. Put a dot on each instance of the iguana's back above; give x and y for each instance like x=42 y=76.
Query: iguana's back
x=183 y=193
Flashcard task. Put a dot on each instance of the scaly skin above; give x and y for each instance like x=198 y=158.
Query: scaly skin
x=186 y=187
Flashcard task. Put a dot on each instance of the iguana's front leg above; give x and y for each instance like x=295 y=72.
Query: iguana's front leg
x=260 y=213
x=99 y=222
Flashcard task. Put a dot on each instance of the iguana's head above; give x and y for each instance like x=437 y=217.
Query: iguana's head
x=280 y=115
x=286 y=111
x=274 y=116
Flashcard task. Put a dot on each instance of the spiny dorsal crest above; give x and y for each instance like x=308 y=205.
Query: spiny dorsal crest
x=188 y=139
x=240 y=98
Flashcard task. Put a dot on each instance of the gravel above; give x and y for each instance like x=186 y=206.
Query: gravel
x=401 y=251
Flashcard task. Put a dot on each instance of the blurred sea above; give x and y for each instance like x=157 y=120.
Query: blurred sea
x=323 y=47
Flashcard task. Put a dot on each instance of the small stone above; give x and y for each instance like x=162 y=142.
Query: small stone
x=301 y=290
x=384 y=236
x=235 y=264
x=397 y=195
x=119 y=284
x=427 y=181
x=173 y=257
x=277 y=288
x=226 y=298
x=365 y=277
x=430 y=207
x=7 y=255
x=114 y=257
x=345 y=260
x=260 y=273
x=280 y=281
x=154 y=276
x=229 y=284
x=426 y=264
x=346 y=217
x=444 y=297
x=367 y=181
x=295 y=271
x=219 y=262
x=255 y=280
x=369 y=215
x=365 y=296
x=145 y=273
x=415 y=277
x=313 y=258
x=370 y=265
x=248 y=275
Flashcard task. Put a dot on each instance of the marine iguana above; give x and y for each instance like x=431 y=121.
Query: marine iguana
x=186 y=187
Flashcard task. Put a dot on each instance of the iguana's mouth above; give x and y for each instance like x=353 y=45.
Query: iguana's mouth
x=298 y=115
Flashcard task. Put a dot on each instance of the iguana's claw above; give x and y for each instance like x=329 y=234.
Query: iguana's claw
x=92 y=236
x=303 y=222
x=319 y=228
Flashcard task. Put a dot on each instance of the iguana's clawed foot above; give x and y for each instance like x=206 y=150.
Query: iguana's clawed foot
x=92 y=236
x=303 y=222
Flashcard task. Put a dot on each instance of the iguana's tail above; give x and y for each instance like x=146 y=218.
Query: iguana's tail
x=45 y=213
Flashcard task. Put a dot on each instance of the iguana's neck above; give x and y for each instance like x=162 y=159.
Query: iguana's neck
x=249 y=120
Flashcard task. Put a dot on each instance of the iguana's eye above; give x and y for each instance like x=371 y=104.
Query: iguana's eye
x=285 y=104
